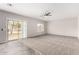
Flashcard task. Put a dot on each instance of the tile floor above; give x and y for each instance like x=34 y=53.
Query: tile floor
x=16 y=48
x=54 y=45
x=44 y=45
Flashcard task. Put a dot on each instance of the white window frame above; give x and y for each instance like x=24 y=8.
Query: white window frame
x=40 y=27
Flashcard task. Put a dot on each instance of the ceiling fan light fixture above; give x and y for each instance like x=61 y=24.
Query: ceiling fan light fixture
x=48 y=13
x=9 y=4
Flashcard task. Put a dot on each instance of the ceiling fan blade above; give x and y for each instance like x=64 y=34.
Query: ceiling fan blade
x=47 y=13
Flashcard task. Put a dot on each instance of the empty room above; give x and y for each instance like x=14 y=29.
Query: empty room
x=39 y=29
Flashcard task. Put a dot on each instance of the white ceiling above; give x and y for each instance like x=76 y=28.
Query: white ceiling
x=36 y=10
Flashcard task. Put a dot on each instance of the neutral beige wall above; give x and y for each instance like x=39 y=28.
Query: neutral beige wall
x=66 y=27
x=32 y=28
x=31 y=24
x=78 y=27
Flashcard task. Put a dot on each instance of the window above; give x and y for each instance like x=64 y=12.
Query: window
x=40 y=27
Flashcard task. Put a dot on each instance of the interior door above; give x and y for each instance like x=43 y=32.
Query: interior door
x=2 y=29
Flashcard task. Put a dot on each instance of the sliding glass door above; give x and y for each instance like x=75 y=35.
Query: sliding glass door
x=17 y=29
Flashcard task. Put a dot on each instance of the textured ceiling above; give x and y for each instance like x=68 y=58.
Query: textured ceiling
x=36 y=10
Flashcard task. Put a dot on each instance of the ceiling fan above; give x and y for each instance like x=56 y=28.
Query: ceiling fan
x=47 y=13
x=9 y=4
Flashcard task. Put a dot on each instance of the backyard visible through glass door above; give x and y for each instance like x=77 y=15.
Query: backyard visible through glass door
x=16 y=29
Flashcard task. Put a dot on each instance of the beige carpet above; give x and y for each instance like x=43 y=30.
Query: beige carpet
x=53 y=45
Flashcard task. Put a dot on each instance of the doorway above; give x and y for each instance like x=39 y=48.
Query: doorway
x=17 y=29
